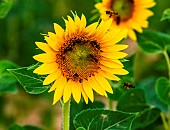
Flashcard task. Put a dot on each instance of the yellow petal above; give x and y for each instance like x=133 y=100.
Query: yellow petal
x=53 y=43
x=103 y=83
x=116 y=47
x=76 y=92
x=114 y=55
x=77 y=23
x=45 y=47
x=132 y=34
x=67 y=91
x=83 y=21
x=91 y=28
x=111 y=64
x=71 y=25
x=58 y=29
x=51 y=77
x=59 y=91
x=60 y=82
x=46 y=68
x=114 y=71
x=94 y=84
x=83 y=93
x=88 y=90
x=45 y=57
x=103 y=27
x=109 y=75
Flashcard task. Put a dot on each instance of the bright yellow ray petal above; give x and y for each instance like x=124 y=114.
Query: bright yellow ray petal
x=103 y=83
x=51 y=77
x=83 y=93
x=71 y=25
x=45 y=47
x=60 y=81
x=91 y=28
x=53 y=43
x=46 y=68
x=77 y=23
x=83 y=21
x=88 y=90
x=45 y=57
x=111 y=64
x=76 y=92
x=58 y=29
x=114 y=71
x=132 y=34
x=109 y=75
x=59 y=91
x=114 y=55
x=116 y=47
x=94 y=85
x=103 y=27
x=67 y=91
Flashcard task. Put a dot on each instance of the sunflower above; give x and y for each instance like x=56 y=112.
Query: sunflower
x=127 y=14
x=81 y=59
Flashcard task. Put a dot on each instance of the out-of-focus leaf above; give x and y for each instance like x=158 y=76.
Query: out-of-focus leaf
x=26 y=127
x=7 y=80
x=153 y=42
x=163 y=89
x=16 y=127
x=146 y=117
x=134 y=101
x=99 y=119
x=30 y=127
x=166 y=14
x=5 y=6
x=31 y=82
x=148 y=86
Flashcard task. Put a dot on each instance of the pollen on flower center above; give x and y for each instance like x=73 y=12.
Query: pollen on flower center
x=78 y=58
x=123 y=7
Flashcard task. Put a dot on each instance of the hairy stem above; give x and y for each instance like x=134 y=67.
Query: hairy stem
x=66 y=115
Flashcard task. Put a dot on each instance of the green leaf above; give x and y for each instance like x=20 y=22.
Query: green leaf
x=77 y=108
x=26 y=127
x=30 y=127
x=166 y=14
x=163 y=89
x=146 y=117
x=153 y=42
x=7 y=81
x=5 y=6
x=81 y=128
x=134 y=101
x=16 y=127
x=99 y=119
x=31 y=82
x=148 y=86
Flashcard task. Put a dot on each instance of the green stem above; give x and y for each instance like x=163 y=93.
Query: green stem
x=66 y=115
x=110 y=104
x=164 y=121
x=167 y=61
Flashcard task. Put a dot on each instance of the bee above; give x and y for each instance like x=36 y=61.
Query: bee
x=69 y=48
x=93 y=58
x=94 y=43
x=128 y=85
x=115 y=15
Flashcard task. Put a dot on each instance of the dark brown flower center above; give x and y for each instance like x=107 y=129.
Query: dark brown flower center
x=78 y=58
x=124 y=8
